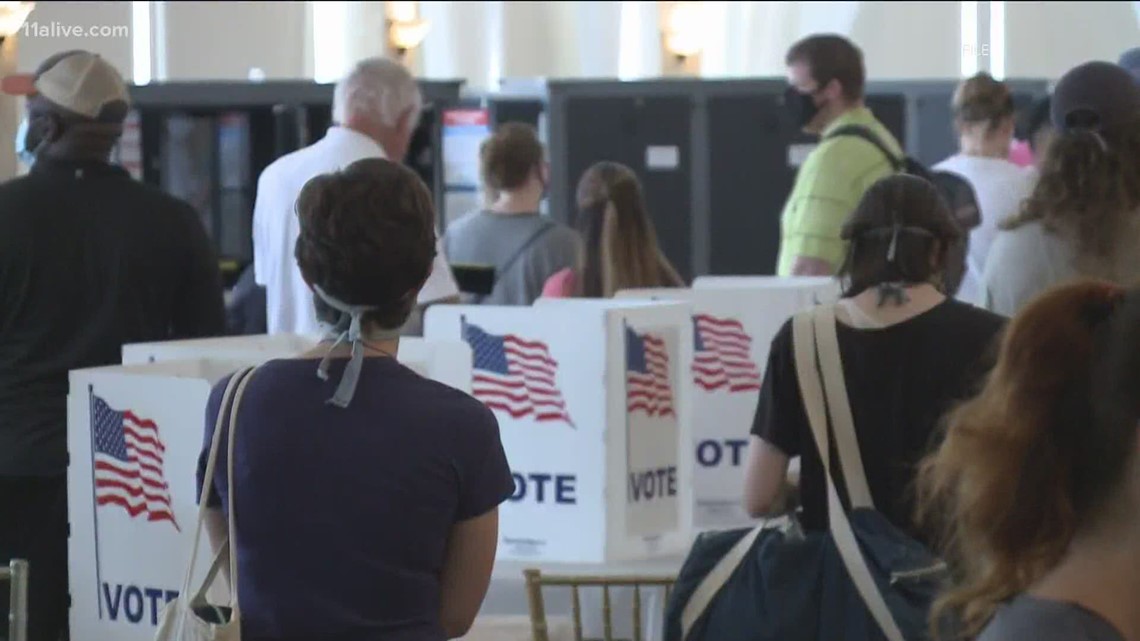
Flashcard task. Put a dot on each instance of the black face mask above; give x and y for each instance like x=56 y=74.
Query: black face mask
x=800 y=106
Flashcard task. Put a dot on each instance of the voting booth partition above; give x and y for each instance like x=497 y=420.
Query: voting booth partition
x=135 y=433
x=732 y=327
x=592 y=410
x=445 y=361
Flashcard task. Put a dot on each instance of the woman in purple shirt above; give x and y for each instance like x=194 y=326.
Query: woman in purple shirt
x=366 y=496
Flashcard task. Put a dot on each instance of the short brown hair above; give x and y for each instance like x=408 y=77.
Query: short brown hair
x=509 y=155
x=981 y=99
x=367 y=238
x=831 y=57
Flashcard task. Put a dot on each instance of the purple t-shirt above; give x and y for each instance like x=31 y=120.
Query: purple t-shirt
x=343 y=515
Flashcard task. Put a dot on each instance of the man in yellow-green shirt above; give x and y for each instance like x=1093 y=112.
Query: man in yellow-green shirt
x=827 y=77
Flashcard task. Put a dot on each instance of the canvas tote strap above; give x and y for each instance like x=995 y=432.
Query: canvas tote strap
x=207 y=479
x=711 y=585
x=232 y=538
x=839 y=408
x=811 y=390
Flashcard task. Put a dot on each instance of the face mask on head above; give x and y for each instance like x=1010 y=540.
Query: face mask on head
x=800 y=106
x=23 y=154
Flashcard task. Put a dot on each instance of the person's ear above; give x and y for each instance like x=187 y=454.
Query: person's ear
x=833 y=90
x=407 y=122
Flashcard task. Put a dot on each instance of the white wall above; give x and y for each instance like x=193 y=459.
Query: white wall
x=224 y=40
x=102 y=27
x=485 y=40
x=1043 y=39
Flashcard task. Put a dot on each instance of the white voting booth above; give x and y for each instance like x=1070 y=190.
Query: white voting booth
x=732 y=328
x=592 y=411
x=445 y=361
x=134 y=436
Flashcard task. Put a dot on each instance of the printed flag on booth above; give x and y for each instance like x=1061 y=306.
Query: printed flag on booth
x=515 y=376
x=128 y=463
x=722 y=356
x=648 y=388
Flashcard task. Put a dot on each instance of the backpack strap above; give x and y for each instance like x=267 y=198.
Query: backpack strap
x=859 y=131
x=546 y=227
x=812 y=361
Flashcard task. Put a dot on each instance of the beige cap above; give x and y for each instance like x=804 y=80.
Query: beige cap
x=79 y=81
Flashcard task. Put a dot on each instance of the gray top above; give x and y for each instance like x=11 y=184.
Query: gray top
x=1022 y=263
x=1028 y=618
x=485 y=238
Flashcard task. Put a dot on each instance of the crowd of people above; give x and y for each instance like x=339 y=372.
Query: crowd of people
x=1019 y=435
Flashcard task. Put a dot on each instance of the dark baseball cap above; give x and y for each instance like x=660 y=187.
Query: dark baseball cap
x=1130 y=60
x=1095 y=95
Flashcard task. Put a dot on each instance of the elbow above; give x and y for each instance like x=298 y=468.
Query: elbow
x=758 y=510
x=758 y=507
x=456 y=627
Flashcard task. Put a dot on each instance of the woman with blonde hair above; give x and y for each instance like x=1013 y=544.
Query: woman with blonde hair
x=621 y=250
x=1037 y=481
x=984 y=118
x=1082 y=219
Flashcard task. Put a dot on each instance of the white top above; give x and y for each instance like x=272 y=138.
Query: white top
x=999 y=186
x=289 y=301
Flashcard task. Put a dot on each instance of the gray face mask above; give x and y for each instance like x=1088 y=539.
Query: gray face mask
x=347 y=330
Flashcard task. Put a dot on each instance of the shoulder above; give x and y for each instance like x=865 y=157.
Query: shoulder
x=463 y=224
x=561 y=234
x=1042 y=620
x=453 y=411
x=971 y=321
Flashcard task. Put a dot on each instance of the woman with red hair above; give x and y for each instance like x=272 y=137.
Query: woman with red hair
x=1037 y=481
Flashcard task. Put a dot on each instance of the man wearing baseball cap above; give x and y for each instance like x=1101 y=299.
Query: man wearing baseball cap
x=90 y=259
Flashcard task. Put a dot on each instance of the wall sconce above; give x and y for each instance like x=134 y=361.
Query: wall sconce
x=12 y=17
x=684 y=29
x=406 y=30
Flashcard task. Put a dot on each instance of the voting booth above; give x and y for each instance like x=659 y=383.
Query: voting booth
x=592 y=409
x=134 y=436
x=445 y=361
x=732 y=330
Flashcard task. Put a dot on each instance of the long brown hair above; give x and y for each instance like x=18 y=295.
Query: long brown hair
x=621 y=250
x=1041 y=451
x=1089 y=191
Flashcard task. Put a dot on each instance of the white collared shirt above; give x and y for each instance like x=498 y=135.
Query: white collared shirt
x=289 y=301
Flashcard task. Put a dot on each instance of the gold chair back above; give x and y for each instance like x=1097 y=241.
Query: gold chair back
x=536 y=581
x=17 y=575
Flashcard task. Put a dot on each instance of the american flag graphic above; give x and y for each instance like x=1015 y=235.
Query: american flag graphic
x=128 y=463
x=722 y=355
x=647 y=387
x=515 y=376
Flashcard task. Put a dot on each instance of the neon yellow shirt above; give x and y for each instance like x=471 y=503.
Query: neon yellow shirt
x=828 y=187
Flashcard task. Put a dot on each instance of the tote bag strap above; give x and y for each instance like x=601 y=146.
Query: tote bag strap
x=232 y=535
x=230 y=399
x=207 y=478
x=811 y=390
x=716 y=579
x=839 y=408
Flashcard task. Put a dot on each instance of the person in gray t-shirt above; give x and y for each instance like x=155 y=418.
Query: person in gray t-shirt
x=510 y=237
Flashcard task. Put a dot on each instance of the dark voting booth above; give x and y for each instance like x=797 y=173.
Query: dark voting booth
x=717 y=158
x=207 y=142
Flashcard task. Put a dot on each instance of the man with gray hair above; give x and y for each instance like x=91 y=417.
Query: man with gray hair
x=376 y=109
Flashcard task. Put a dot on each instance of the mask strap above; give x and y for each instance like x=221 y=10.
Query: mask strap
x=348 y=329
